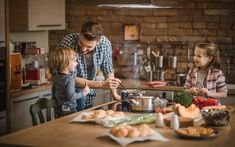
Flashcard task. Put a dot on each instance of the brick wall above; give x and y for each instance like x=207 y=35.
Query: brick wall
x=196 y=21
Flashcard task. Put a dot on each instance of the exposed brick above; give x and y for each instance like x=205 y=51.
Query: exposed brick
x=96 y=12
x=222 y=32
x=201 y=5
x=162 y=26
x=180 y=19
x=212 y=25
x=228 y=19
x=165 y=12
x=182 y=12
x=194 y=39
x=148 y=25
x=154 y=32
x=221 y=5
x=204 y=32
x=140 y=12
x=220 y=39
x=199 y=25
x=147 y=38
x=173 y=25
x=206 y=18
x=152 y=19
x=231 y=33
x=180 y=31
x=185 y=25
x=225 y=26
x=165 y=38
x=216 y=12
x=130 y=19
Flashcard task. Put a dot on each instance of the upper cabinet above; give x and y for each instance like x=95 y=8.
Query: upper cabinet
x=36 y=15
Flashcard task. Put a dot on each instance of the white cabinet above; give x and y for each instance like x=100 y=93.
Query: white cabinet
x=36 y=15
x=20 y=116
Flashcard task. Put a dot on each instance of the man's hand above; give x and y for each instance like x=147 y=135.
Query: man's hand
x=111 y=83
x=116 y=97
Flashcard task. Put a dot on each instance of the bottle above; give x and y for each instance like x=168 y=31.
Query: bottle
x=175 y=122
x=159 y=120
x=99 y=76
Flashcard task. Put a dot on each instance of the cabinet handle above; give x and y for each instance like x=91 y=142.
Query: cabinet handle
x=52 y=25
x=45 y=95
x=19 y=101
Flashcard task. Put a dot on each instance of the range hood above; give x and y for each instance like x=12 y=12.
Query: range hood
x=143 y=6
x=131 y=3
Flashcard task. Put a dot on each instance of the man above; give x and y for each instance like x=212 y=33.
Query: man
x=94 y=53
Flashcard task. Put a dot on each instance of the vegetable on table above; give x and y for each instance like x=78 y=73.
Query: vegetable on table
x=184 y=98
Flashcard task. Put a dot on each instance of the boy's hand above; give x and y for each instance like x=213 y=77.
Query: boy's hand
x=86 y=89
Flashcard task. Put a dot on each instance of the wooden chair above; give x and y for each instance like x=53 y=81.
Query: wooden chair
x=37 y=108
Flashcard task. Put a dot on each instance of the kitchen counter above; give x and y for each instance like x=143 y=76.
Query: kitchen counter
x=32 y=90
x=128 y=83
x=61 y=132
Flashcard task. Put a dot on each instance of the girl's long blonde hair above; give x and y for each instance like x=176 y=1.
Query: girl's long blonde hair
x=212 y=50
x=59 y=58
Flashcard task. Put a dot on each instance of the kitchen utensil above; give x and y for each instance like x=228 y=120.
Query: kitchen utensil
x=172 y=61
x=159 y=75
x=158 y=61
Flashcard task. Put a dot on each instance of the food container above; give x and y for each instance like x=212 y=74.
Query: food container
x=214 y=117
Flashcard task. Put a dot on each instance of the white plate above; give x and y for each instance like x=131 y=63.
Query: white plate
x=79 y=118
x=123 y=141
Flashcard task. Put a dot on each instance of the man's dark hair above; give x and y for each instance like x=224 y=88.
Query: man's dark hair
x=92 y=30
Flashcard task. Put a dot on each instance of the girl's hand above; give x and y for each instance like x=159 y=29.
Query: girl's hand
x=204 y=91
x=86 y=89
x=194 y=90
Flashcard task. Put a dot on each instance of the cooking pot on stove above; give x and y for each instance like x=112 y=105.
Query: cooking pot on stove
x=142 y=103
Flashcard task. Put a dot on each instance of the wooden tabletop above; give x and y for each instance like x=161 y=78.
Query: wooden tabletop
x=62 y=133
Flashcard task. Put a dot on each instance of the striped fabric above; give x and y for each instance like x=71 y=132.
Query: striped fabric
x=215 y=80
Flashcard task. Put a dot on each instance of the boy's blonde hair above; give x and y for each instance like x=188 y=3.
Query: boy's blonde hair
x=59 y=58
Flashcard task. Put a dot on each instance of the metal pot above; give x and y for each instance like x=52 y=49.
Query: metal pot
x=172 y=61
x=180 y=79
x=158 y=61
x=142 y=103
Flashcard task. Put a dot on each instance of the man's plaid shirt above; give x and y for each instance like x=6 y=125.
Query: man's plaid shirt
x=215 y=80
x=102 y=59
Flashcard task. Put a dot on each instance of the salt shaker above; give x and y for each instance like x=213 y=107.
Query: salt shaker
x=175 y=122
x=159 y=120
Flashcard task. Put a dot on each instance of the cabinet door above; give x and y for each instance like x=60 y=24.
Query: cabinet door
x=20 y=116
x=46 y=15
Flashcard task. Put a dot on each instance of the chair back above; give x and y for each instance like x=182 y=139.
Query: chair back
x=37 y=108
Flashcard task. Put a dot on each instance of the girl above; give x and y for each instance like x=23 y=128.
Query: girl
x=206 y=78
x=64 y=62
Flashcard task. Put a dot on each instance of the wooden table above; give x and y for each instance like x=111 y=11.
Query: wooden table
x=62 y=133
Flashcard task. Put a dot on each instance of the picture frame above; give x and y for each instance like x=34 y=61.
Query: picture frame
x=131 y=32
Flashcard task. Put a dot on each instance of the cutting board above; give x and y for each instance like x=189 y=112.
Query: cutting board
x=183 y=121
